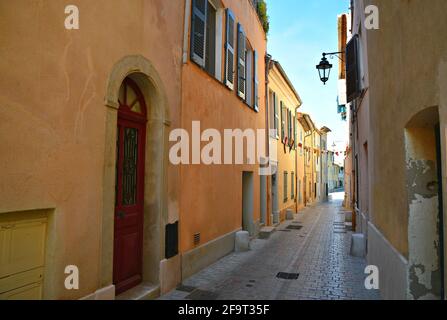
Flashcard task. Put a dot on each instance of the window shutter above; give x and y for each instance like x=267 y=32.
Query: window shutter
x=276 y=115
x=241 y=62
x=295 y=133
x=229 y=51
x=283 y=122
x=352 y=69
x=198 y=31
x=255 y=81
x=289 y=121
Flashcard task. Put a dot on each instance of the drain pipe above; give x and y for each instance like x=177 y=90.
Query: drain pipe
x=269 y=207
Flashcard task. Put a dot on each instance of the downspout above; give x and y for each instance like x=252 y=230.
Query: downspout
x=269 y=207
x=186 y=31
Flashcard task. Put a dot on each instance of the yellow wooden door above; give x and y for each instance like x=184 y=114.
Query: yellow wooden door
x=22 y=259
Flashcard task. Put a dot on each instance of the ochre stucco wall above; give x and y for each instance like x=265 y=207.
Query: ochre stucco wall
x=53 y=115
x=286 y=158
x=407 y=73
x=211 y=197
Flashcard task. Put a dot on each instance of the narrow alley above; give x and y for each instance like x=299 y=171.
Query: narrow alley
x=315 y=245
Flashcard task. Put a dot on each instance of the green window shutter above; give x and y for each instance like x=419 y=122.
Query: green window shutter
x=283 y=122
x=198 y=31
x=295 y=133
x=229 y=50
x=241 y=62
x=276 y=115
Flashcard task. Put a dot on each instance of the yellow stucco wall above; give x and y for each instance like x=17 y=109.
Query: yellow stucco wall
x=286 y=157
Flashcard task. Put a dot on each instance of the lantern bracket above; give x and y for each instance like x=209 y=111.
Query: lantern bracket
x=332 y=54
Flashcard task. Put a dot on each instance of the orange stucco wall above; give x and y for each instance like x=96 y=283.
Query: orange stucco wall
x=52 y=114
x=211 y=197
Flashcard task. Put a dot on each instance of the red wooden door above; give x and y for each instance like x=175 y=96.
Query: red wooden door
x=128 y=237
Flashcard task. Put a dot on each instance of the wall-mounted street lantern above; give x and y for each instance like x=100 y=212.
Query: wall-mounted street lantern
x=324 y=68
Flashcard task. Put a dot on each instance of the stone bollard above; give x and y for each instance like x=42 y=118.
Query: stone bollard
x=242 y=242
x=358 y=245
x=289 y=215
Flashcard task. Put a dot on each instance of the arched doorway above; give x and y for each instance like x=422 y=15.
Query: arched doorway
x=129 y=202
x=425 y=206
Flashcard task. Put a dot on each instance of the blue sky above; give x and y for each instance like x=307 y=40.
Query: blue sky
x=300 y=31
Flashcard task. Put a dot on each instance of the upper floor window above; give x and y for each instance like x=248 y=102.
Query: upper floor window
x=206 y=35
x=240 y=70
x=283 y=121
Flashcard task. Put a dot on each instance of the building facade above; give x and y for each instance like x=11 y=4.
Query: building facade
x=324 y=187
x=222 y=86
x=85 y=139
x=284 y=101
x=400 y=148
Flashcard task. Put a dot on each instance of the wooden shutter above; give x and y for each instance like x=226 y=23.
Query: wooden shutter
x=229 y=51
x=283 y=121
x=295 y=132
x=276 y=115
x=289 y=121
x=352 y=69
x=198 y=31
x=255 y=81
x=241 y=62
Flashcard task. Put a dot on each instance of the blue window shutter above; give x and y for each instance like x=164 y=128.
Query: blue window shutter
x=198 y=31
x=241 y=62
x=229 y=50
x=255 y=80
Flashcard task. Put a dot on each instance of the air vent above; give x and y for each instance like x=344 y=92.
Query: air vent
x=196 y=239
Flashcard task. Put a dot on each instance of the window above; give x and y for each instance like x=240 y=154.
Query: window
x=210 y=53
x=255 y=81
x=198 y=30
x=229 y=50
x=206 y=35
x=283 y=121
x=249 y=96
x=289 y=125
x=292 y=191
x=295 y=133
x=251 y=76
x=241 y=62
x=286 y=177
x=300 y=199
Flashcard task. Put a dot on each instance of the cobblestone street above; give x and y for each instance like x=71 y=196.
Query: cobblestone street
x=318 y=252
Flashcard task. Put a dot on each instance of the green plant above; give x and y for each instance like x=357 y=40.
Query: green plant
x=262 y=13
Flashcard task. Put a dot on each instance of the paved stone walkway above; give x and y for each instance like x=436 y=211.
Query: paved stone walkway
x=319 y=253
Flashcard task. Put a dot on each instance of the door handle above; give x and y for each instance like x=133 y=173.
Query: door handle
x=121 y=214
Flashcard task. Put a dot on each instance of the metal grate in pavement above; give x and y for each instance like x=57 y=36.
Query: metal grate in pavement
x=292 y=227
x=287 y=276
x=202 y=295
x=184 y=288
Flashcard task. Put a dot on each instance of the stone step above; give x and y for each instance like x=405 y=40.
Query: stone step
x=266 y=232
